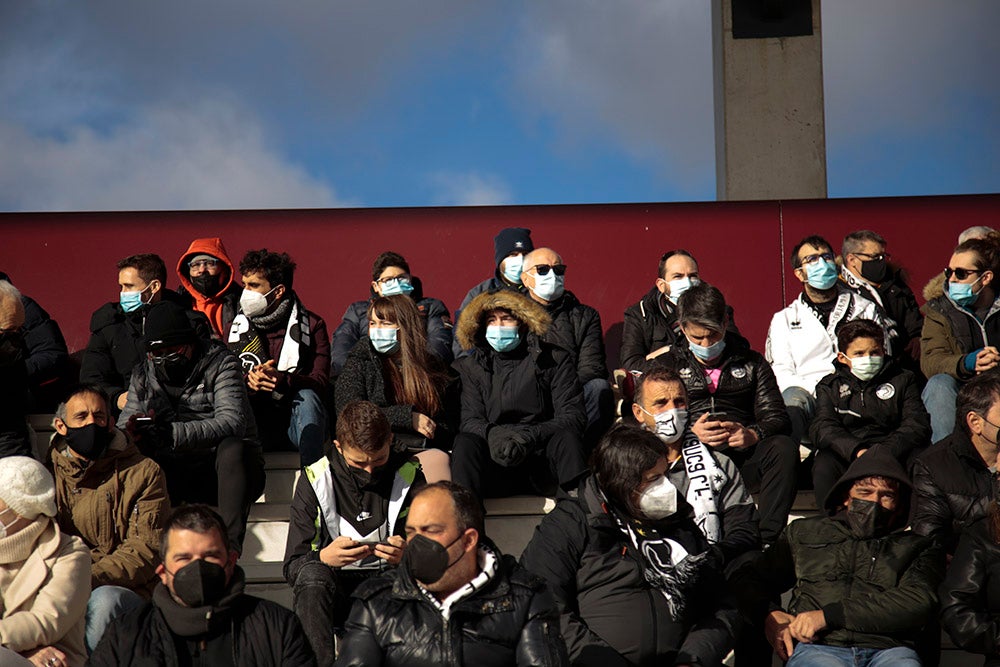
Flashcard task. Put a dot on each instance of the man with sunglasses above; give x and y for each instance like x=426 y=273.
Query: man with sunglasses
x=188 y=410
x=577 y=329
x=867 y=270
x=206 y=274
x=802 y=339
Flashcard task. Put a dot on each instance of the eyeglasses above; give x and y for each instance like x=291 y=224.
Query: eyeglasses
x=543 y=269
x=401 y=276
x=961 y=274
x=812 y=259
x=874 y=258
x=203 y=264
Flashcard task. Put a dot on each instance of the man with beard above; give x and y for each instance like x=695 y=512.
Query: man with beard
x=347 y=521
x=199 y=614
x=207 y=280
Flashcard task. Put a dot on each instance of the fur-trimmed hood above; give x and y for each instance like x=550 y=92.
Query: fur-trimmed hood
x=470 y=331
x=934 y=287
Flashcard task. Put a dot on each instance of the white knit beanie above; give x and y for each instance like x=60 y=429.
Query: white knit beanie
x=27 y=487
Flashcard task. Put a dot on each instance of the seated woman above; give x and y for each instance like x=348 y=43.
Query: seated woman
x=392 y=368
x=634 y=578
x=970 y=594
x=44 y=573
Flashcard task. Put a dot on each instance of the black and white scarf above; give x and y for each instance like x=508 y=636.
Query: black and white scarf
x=250 y=344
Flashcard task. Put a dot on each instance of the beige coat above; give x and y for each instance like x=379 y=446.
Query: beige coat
x=45 y=603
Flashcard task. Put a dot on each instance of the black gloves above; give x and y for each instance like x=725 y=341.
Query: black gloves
x=509 y=445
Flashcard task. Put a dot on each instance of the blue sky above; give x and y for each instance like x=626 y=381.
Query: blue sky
x=189 y=105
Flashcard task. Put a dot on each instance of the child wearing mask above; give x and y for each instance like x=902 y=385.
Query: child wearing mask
x=867 y=404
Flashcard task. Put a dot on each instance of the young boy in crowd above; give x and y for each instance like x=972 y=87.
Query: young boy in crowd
x=867 y=404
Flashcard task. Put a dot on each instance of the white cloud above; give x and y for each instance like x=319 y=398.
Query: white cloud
x=469 y=189
x=213 y=155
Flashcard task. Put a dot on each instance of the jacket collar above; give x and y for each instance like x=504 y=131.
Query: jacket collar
x=483 y=601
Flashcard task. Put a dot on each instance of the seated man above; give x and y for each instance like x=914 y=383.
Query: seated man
x=199 y=614
x=735 y=404
x=113 y=498
x=44 y=573
x=14 y=437
x=391 y=275
x=522 y=408
x=867 y=404
x=46 y=356
x=650 y=326
x=802 y=339
x=116 y=345
x=510 y=246
x=454 y=600
x=188 y=410
x=361 y=494
x=285 y=353
x=867 y=271
x=577 y=329
x=953 y=478
x=723 y=509
x=208 y=283
x=864 y=587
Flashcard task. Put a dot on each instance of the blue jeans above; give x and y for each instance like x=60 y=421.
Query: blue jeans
x=307 y=426
x=105 y=604
x=939 y=396
x=801 y=406
x=818 y=655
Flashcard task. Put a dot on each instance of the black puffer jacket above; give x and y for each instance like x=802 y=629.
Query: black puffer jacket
x=952 y=488
x=886 y=412
x=877 y=592
x=577 y=329
x=747 y=391
x=116 y=346
x=212 y=405
x=263 y=633
x=511 y=620
x=970 y=594
x=651 y=324
x=610 y=615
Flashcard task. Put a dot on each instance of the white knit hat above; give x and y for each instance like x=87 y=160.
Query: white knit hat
x=27 y=487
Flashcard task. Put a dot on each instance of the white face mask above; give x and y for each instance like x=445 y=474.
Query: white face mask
x=254 y=303
x=549 y=287
x=4 y=526
x=669 y=424
x=659 y=500
x=679 y=286
x=865 y=368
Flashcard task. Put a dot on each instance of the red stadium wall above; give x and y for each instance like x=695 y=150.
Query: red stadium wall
x=66 y=260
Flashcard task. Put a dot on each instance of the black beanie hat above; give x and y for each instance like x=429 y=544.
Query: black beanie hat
x=167 y=324
x=511 y=239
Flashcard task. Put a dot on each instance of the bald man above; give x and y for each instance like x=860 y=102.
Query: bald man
x=575 y=328
x=14 y=439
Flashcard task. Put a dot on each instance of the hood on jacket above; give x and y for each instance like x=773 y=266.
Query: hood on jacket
x=873 y=464
x=213 y=247
x=471 y=332
x=934 y=287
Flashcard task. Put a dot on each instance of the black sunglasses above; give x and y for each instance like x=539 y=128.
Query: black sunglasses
x=543 y=269
x=961 y=274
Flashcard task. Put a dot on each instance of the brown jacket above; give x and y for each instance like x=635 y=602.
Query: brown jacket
x=117 y=505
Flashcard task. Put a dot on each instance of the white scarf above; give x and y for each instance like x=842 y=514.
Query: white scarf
x=705 y=482
x=488 y=562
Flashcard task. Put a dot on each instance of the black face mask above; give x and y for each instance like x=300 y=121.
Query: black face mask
x=173 y=368
x=11 y=348
x=426 y=560
x=90 y=441
x=200 y=583
x=207 y=284
x=874 y=270
x=868 y=519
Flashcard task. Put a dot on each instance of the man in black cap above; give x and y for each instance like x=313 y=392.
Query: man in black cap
x=188 y=410
x=509 y=249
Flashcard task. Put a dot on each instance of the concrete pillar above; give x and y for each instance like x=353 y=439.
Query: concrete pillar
x=770 y=140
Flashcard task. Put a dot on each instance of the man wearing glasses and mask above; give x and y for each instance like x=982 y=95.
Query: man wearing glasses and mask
x=207 y=279
x=802 y=339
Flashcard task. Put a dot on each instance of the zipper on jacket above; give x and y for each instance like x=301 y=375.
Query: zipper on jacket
x=875 y=554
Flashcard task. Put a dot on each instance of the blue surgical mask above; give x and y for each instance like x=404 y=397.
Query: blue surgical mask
x=512 y=268
x=397 y=286
x=710 y=353
x=132 y=301
x=865 y=368
x=384 y=339
x=550 y=286
x=962 y=294
x=503 y=339
x=821 y=274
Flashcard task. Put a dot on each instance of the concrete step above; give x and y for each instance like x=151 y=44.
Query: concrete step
x=280 y=593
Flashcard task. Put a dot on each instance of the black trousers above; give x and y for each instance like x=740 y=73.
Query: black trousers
x=769 y=470
x=562 y=458
x=322 y=601
x=230 y=477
